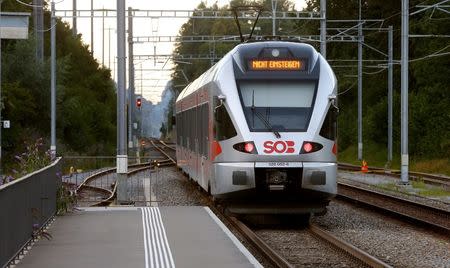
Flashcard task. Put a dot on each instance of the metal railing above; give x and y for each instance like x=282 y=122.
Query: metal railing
x=143 y=186
x=26 y=205
x=93 y=179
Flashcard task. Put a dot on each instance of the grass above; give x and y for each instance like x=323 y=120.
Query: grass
x=376 y=156
x=436 y=166
x=429 y=190
x=418 y=188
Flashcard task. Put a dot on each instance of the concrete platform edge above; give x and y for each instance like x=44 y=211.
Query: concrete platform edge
x=233 y=238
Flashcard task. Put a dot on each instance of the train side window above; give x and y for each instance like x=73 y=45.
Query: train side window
x=185 y=130
x=179 y=122
x=329 y=126
x=192 y=129
x=205 y=129
x=200 y=129
x=224 y=128
x=177 y=127
x=181 y=129
x=190 y=138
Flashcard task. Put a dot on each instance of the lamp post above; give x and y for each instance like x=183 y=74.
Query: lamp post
x=53 y=82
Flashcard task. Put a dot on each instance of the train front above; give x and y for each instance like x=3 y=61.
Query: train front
x=275 y=124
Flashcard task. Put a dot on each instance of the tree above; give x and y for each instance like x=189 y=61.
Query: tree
x=86 y=101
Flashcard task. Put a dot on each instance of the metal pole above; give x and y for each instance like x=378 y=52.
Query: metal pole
x=115 y=68
x=154 y=55
x=36 y=26
x=53 y=81
x=38 y=29
x=360 y=40
x=323 y=28
x=92 y=27
x=74 y=19
x=141 y=120
x=103 y=35
x=390 y=88
x=404 y=92
x=1 y=106
x=109 y=48
x=274 y=14
x=122 y=157
x=131 y=103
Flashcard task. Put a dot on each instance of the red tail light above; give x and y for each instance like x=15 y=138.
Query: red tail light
x=245 y=147
x=310 y=147
x=334 y=150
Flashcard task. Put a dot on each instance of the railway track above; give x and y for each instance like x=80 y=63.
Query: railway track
x=162 y=151
x=326 y=238
x=416 y=176
x=436 y=219
x=279 y=260
x=96 y=186
x=431 y=217
x=272 y=255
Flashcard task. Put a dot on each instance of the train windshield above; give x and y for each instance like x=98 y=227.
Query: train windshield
x=277 y=106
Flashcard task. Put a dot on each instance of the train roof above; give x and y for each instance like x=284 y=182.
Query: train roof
x=255 y=49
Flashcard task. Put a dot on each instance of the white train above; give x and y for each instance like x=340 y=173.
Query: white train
x=258 y=129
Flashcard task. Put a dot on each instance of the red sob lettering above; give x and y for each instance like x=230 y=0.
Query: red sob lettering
x=279 y=147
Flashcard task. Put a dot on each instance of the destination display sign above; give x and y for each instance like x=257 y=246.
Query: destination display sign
x=276 y=65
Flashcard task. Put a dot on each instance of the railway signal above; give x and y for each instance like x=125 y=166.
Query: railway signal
x=138 y=103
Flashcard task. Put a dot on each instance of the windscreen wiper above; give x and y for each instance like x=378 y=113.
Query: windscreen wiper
x=262 y=118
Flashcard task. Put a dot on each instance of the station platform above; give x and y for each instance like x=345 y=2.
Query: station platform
x=139 y=237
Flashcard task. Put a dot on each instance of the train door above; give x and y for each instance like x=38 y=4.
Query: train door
x=203 y=145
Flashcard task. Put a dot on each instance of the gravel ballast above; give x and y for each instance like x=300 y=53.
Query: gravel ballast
x=398 y=244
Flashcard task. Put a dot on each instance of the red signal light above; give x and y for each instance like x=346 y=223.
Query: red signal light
x=138 y=102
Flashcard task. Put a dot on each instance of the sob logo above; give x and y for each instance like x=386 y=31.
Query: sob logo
x=279 y=147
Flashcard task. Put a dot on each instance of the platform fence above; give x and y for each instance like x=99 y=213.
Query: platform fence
x=101 y=178
x=26 y=205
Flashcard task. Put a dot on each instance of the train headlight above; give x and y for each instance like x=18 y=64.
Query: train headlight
x=246 y=147
x=310 y=147
x=275 y=52
x=307 y=147
x=249 y=147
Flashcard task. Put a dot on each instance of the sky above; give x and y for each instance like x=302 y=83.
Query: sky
x=148 y=81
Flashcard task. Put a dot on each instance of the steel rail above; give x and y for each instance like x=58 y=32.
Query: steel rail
x=110 y=194
x=416 y=176
x=104 y=172
x=96 y=189
x=270 y=254
x=351 y=250
x=168 y=146
x=265 y=250
x=162 y=151
x=399 y=207
x=110 y=199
